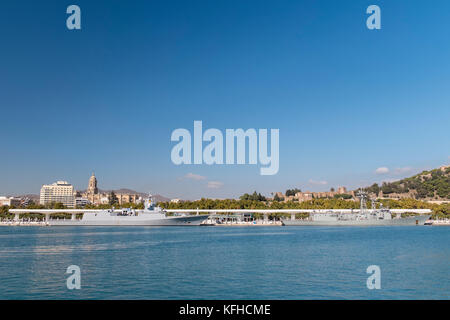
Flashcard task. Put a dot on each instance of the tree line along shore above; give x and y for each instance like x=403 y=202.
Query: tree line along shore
x=254 y=201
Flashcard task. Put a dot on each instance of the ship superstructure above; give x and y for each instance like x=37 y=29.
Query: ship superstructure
x=363 y=216
x=152 y=215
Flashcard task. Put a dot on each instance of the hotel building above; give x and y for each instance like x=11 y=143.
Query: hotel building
x=60 y=191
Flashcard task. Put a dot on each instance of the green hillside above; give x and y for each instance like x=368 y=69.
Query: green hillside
x=430 y=185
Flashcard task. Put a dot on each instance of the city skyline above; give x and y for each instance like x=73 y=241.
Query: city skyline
x=353 y=106
x=318 y=186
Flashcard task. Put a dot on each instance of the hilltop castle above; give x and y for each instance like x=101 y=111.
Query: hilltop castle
x=308 y=195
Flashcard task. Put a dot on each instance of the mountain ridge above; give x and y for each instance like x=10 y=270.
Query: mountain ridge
x=430 y=185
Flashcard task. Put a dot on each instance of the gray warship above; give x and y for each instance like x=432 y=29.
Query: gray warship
x=362 y=217
x=152 y=215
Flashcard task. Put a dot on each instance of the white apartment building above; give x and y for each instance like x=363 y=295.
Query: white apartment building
x=81 y=202
x=60 y=191
x=9 y=201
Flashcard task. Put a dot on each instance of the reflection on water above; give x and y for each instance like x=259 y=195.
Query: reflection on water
x=224 y=262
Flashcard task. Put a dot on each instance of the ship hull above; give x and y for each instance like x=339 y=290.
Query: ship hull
x=129 y=221
x=408 y=221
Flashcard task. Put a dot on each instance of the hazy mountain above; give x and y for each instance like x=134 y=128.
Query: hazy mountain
x=33 y=197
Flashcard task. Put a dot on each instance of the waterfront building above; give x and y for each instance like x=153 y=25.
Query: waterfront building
x=60 y=191
x=308 y=195
x=342 y=190
x=96 y=197
x=81 y=202
x=304 y=196
x=10 y=201
x=128 y=198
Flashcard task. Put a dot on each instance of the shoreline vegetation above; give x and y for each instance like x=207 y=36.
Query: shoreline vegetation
x=426 y=190
x=440 y=211
x=253 y=201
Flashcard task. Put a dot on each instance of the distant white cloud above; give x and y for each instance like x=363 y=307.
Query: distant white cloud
x=214 y=184
x=194 y=176
x=321 y=183
x=382 y=170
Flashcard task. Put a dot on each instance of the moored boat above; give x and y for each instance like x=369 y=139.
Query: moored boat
x=152 y=215
x=362 y=217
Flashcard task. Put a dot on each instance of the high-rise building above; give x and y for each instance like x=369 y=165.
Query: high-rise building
x=58 y=192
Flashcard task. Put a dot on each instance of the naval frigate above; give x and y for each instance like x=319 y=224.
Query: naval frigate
x=362 y=217
x=152 y=215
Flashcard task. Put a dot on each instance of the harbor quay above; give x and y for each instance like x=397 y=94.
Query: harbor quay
x=153 y=215
x=219 y=217
x=46 y=217
x=61 y=205
x=220 y=221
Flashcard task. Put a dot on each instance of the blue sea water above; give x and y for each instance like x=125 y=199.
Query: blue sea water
x=225 y=262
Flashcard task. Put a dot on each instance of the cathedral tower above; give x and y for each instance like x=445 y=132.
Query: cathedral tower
x=92 y=187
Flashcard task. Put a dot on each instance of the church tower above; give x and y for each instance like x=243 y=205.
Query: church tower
x=92 y=187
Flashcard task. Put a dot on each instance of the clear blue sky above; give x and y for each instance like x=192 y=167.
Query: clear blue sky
x=347 y=100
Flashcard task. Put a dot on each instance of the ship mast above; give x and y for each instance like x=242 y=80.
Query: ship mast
x=363 y=197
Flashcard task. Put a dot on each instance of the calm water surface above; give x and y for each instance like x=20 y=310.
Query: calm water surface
x=225 y=263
